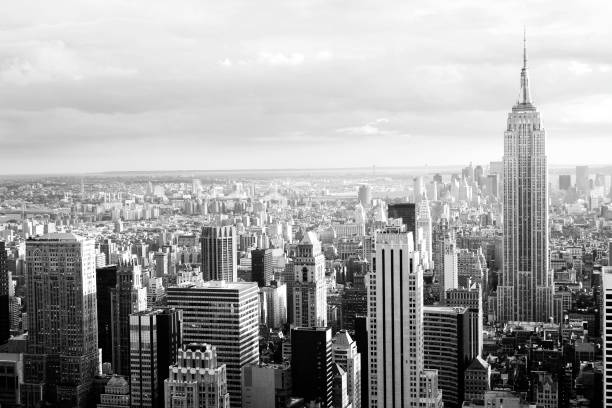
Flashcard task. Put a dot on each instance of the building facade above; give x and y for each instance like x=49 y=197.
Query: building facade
x=395 y=337
x=224 y=315
x=62 y=352
x=219 y=256
x=525 y=289
x=309 y=289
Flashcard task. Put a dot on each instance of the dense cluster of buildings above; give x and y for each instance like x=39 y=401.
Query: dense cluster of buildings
x=487 y=287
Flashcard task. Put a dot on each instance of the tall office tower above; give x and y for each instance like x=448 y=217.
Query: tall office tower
x=354 y=303
x=525 y=290
x=225 y=315
x=492 y=185
x=116 y=393
x=219 y=254
x=340 y=396
x=5 y=284
x=364 y=195
x=582 y=179
x=450 y=268
x=62 y=357
x=261 y=266
x=565 y=182
x=344 y=353
x=361 y=339
x=274 y=304
x=106 y=281
x=472 y=299
x=445 y=260
x=309 y=290
x=266 y=385
x=311 y=364
x=446 y=335
x=395 y=338
x=197 y=380
x=128 y=296
x=161 y=264
x=424 y=222
x=606 y=288
x=407 y=213
x=155 y=340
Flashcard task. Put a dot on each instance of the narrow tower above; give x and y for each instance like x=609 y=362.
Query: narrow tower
x=525 y=293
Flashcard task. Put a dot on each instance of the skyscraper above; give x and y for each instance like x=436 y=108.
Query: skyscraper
x=155 y=338
x=525 y=290
x=309 y=291
x=311 y=364
x=261 y=266
x=606 y=288
x=424 y=223
x=447 y=348
x=364 y=195
x=407 y=213
x=344 y=353
x=219 y=253
x=225 y=315
x=5 y=282
x=582 y=179
x=129 y=296
x=62 y=357
x=106 y=280
x=395 y=312
x=197 y=379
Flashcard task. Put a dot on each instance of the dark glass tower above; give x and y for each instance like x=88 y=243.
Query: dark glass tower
x=311 y=364
x=261 y=266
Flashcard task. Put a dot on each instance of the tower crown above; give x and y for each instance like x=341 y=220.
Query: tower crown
x=524 y=99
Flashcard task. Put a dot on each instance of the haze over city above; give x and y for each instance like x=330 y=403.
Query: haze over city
x=92 y=86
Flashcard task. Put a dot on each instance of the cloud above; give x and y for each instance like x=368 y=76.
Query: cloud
x=374 y=128
x=207 y=84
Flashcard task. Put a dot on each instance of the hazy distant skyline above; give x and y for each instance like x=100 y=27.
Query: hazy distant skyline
x=91 y=85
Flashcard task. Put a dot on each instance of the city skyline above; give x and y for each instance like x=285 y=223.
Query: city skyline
x=81 y=95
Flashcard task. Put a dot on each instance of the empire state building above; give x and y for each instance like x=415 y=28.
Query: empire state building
x=525 y=291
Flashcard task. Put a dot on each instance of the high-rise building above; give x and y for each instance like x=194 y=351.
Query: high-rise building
x=161 y=264
x=197 y=379
x=472 y=299
x=128 y=296
x=106 y=281
x=407 y=213
x=155 y=338
x=344 y=353
x=606 y=288
x=582 y=179
x=309 y=290
x=261 y=266
x=446 y=335
x=225 y=315
x=62 y=357
x=219 y=248
x=395 y=312
x=311 y=365
x=364 y=195
x=525 y=289
x=424 y=223
x=361 y=339
x=565 y=182
x=274 y=304
x=266 y=385
x=5 y=284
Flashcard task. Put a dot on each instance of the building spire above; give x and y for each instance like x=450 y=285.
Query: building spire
x=524 y=97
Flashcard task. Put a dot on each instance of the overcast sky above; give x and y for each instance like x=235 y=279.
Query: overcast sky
x=95 y=85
